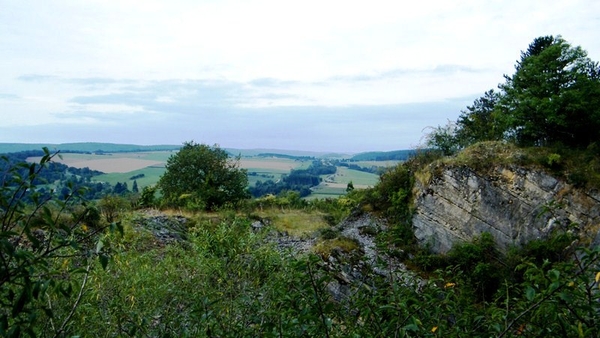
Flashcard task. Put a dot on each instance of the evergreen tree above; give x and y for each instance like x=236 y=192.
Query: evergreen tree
x=553 y=97
x=479 y=122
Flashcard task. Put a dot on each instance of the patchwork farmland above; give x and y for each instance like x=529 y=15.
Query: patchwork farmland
x=147 y=167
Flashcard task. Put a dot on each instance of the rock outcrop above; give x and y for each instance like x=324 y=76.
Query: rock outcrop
x=513 y=204
x=166 y=229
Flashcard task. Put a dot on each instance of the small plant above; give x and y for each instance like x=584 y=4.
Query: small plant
x=329 y=233
x=328 y=247
x=553 y=160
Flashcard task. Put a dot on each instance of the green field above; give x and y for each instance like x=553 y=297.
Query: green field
x=368 y=164
x=336 y=184
x=259 y=169
x=120 y=167
x=270 y=168
x=151 y=176
x=325 y=191
x=360 y=179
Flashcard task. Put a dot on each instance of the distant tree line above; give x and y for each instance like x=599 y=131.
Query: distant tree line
x=134 y=177
x=396 y=155
x=299 y=180
x=61 y=178
x=371 y=169
x=292 y=157
x=254 y=173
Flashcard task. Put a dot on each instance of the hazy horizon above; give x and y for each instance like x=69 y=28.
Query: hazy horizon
x=336 y=76
x=6 y=147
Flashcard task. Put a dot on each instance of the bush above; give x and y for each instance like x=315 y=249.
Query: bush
x=200 y=176
x=46 y=249
x=392 y=195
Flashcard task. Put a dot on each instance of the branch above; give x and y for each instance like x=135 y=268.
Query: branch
x=316 y=291
x=538 y=303
x=72 y=312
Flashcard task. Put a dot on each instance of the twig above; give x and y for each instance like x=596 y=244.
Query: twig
x=72 y=312
x=538 y=303
x=321 y=312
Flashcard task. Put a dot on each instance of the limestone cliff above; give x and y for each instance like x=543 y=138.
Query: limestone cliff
x=515 y=204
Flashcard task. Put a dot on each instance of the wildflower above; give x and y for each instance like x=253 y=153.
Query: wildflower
x=433 y=329
x=449 y=285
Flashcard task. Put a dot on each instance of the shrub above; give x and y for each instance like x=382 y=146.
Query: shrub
x=46 y=251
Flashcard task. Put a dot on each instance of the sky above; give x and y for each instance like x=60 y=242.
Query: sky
x=332 y=76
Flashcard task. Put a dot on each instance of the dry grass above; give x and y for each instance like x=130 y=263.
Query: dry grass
x=326 y=247
x=296 y=223
x=103 y=164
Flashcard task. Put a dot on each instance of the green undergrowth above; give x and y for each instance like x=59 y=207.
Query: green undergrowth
x=227 y=280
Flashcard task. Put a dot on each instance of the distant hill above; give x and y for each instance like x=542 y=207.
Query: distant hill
x=95 y=147
x=396 y=155
x=84 y=147
x=281 y=153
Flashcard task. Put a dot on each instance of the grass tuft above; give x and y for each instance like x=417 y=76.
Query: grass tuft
x=328 y=247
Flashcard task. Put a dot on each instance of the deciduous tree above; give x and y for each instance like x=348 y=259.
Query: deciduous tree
x=203 y=176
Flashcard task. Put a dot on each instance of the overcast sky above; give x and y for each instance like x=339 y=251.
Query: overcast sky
x=344 y=76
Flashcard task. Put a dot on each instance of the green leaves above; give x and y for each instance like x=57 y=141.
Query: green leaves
x=529 y=293
x=553 y=96
x=205 y=175
x=44 y=253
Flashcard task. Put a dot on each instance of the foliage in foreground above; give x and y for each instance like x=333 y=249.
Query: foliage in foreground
x=228 y=282
x=47 y=251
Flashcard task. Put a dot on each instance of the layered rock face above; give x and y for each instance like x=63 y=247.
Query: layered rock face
x=513 y=204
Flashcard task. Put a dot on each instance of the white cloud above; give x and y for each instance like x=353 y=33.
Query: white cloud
x=65 y=62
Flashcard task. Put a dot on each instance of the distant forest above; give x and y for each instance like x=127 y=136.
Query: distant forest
x=396 y=155
x=300 y=180
x=61 y=178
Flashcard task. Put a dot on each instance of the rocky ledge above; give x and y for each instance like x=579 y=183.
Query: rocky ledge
x=513 y=204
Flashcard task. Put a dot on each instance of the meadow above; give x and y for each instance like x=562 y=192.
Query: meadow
x=146 y=167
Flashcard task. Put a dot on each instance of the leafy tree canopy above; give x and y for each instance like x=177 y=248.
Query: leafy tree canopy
x=203 y=176
x=553 y=98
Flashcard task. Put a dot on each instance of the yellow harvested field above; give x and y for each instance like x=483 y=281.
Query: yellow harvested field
x=127 y=162
x=105 y=165
x=116 y=165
